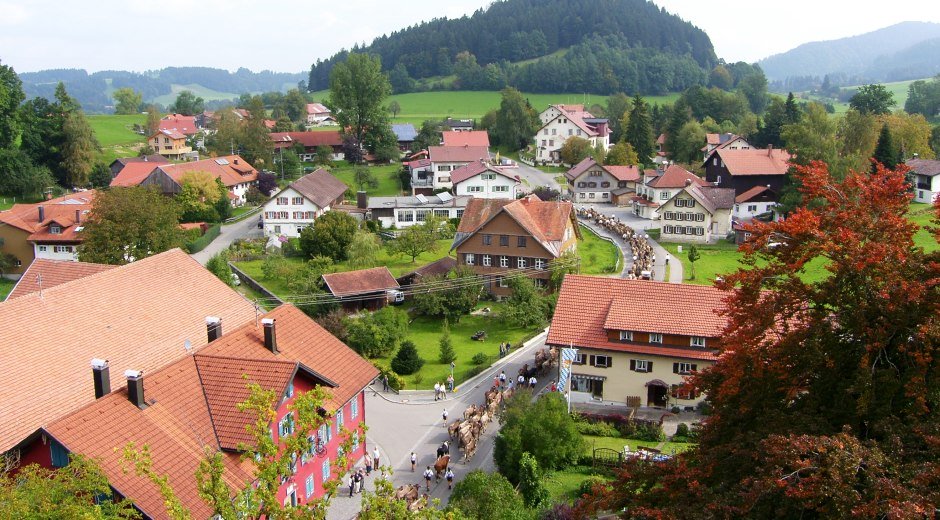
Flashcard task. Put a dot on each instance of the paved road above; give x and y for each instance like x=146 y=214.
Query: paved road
x=247 y=228
x=625 y=214
x=533 y=177
x=411 y=421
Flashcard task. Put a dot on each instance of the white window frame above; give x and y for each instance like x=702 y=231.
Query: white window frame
x=656 y=337
x=641 y=365
x=685 y=368
x=469 y=258
x=540 y=263
x=487 y=261
x=325 y=469
x=521 y=262
x=607 y=361
x=354 y=408
x=697 y=341
x=626 y=335
x=504 y=261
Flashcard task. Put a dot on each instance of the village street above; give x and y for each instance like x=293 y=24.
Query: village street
x=246 y=228
x=412 y=421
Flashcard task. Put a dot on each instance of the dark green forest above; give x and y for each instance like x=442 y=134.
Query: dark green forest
x=605 y=46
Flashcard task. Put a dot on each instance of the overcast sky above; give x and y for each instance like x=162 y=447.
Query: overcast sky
x=288 y=35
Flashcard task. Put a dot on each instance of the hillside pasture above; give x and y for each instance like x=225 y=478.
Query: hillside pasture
x=204 y=92
x=897 y=88
x=116 y=134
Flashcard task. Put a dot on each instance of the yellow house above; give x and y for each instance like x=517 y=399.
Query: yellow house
x=637 y=339
x=169 y=143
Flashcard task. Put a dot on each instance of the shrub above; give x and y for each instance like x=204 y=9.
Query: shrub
x=682 y=429
x=478 y=359
x=218 y=265
x=599 y=429
x=407 y=361
x=587 y=485
x=291 y=248
x=475 y=371
x=200 y=243
x=651 y=432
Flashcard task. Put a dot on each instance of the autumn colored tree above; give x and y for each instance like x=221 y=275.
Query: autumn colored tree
x=824 y=401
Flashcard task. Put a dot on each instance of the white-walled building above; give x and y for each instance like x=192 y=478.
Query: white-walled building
x=402 y=212
x=300 y=203
x=445 y=159
x=483 y=180
x=698 y=214
x=926 y=179
x=659 y=186
x=758 y=200
x=559 y=122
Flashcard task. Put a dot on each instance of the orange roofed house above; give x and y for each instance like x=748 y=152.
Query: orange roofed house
x=170 y=144
x=744 y=169
x=234 y=172
x=500 y=237
x=141 y=316
x=51 y=229
x=189 y=407
x=637 y=338
x=362 y=289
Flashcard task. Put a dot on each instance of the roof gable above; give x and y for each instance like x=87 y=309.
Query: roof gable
x=545 y=221
x=754 y=161
x=319 y=187
x=52 y=273
x=762 y=192
x=674 y=176
x=350 y=283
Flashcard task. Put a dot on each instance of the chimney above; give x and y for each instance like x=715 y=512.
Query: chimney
x=362 y=200
x=78 y=216
x=770 y=150
x=135 y=388
x=270 y=338
x=42 y=214
x=236 y=161
x=102 y=376
x=213 y=327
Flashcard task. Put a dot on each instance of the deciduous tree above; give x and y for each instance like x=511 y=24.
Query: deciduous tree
x=416 y=239
x=363 y=250
x=693 y=256
x=330 y=235
x=79 y=148
x=481 y=495
x=394 y=108
x=516 y=121
x=127 y=101
x=622 y=154
x=11 y=95
x=358 y=89
x=526 y=307
x=455 y=295
x=188 y=104
x=575 y=150
x=128 y=224
x=873 y=99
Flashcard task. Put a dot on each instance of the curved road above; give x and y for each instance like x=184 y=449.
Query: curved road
x=247 y=228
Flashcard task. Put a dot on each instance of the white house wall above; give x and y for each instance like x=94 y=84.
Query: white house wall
x=289 y=226
x=48 y=252
x=498 y=188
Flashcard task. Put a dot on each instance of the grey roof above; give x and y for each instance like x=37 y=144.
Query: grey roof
x=433 y=201
x=320 y=187
x=405 y=131
x=927 y=167
x=711 y=198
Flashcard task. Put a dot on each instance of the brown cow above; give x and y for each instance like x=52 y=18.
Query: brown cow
x=441 y=466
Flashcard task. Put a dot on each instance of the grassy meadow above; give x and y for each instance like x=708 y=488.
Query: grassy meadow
x=598 y=256
x=897 y=88
x=116 y=134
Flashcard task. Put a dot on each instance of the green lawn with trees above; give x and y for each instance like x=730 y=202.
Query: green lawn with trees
x=116 y=134
x=386 y=175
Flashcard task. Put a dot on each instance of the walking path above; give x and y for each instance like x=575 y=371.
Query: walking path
x=412 y=421
x=676 y=274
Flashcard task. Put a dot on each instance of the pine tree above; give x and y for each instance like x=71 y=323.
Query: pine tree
x=447 y=348
x=407 y=361
x=886 y=152
x=639 y=130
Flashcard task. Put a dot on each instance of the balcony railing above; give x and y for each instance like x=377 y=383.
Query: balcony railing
x=422 y=183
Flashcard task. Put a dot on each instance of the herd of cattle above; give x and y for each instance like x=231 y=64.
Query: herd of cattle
x=642 y=250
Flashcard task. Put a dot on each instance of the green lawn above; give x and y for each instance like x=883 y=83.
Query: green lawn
x=723 y=258
x=6 y=285
x=598 y=256
x=922 y=215
x=116 y=135
x=205 y=93
x=7 y=201
x=899 y=89
x=426 y=334
x=386 y=174
x=617 y=443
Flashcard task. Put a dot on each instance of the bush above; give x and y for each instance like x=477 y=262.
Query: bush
x=651 y=432
x=587 y=485
x=478 y=359
x=407 y=361
x=218 y=265
x=200 y=243
x=291 y=248
x=682 y=429
x=599 y=429
x=704 y=408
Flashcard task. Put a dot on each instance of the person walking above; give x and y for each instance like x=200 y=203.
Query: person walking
x=368 y=464
x=437 y=391
x=450 y=478
x=521 y=380
x=502 y=379
x=553 y=387
x=443 y=391
x=375 y=458
x=428 y=475
x=385 y=382
x=414 y=460
x=495 y=381
x=351 y=482
x=532 y=382
x=445 y=417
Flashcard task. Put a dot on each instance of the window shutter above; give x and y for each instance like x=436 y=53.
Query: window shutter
x=592 y=361
x=633 y=365
x=675 y=368
x=610 y=361
x=649 y=366
x=694 y=367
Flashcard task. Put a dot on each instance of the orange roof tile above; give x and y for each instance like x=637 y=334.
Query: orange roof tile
x=675 y=177
x=466 y=138
x=232 y=169
x=139 y=316
x=457 y=153
x=754 y=192
x=26 y=216
x=472 y=169
x=300 y=339
x=624 y=173
x=53 y=272
x=180 y=123
x=362 y=281
x=546 y=221
x=754 y=161
x=588 y=306
x=133 y=174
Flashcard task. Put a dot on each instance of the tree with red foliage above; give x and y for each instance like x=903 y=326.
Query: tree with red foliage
x=826 y=394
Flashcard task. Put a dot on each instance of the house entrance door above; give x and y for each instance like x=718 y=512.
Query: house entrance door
x=597 y=389
x=656 y=394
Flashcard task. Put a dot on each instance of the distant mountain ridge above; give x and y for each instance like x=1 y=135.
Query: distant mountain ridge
x=93 y=91
x=614 y=45
x=900 y=52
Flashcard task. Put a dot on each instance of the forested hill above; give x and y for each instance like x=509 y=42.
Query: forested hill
x=597 y=46
x=896 y=53
x=93 y=91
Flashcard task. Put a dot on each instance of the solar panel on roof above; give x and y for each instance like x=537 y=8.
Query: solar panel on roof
x=445 y=197
x=221 y=162
x=422 y=199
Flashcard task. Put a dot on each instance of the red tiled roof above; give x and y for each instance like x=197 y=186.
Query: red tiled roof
x=457 y=153
x=232 y=169
x=171 y=133
x=475 y=168
x=26 y=216
x=319 y=187
x=53 y=272
x=675 y=177
x=754 y=161
x=183 y=124
x=546 y=221
x=224 y=386
x=133 y=174
x=362 y=281
x=317 y=108
x=138 y=316
x=624 y=173
x=307 y=139
x=588 y=306
x=300 y=339
x=464 y=138
x=577 y=115
x=154 y=159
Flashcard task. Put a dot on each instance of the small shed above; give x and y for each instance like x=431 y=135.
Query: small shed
x=362 y=289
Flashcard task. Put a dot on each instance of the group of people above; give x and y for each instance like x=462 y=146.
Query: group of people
x=440 y=391
x=356 y=479
x=429 y=474
x=521 y=381
x=504 y=349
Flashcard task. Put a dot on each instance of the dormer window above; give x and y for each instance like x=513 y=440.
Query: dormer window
x=697 y=341
x=626 y=335
x=55 y=229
